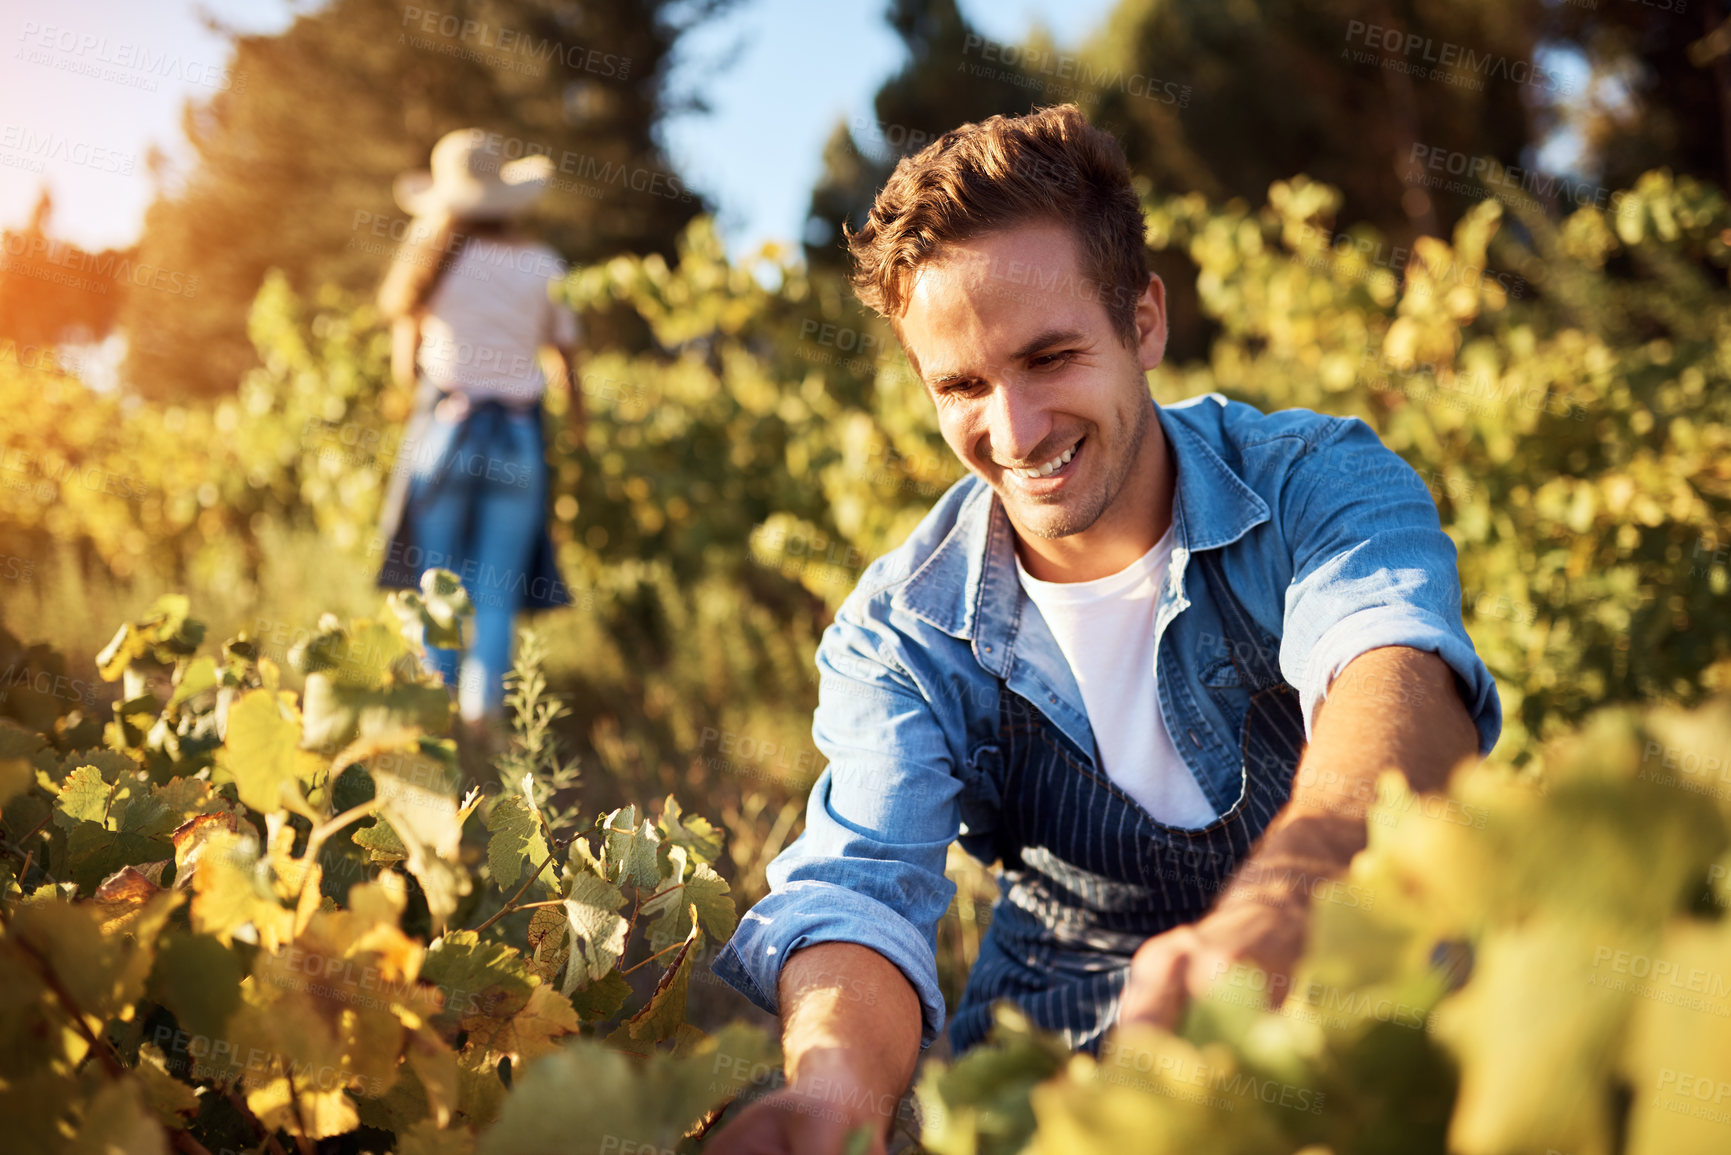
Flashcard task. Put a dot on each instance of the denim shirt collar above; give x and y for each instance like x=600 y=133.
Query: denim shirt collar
x=968 y=587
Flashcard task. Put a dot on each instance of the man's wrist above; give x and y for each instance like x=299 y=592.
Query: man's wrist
x=846 y=1086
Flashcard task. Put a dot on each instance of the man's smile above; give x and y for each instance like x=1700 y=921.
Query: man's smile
x=1046 y=474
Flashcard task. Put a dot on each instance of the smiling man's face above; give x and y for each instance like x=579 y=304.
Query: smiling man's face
x=1036 y=392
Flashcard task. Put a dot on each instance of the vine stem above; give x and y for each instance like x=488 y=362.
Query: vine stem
x=110 y=1061
x=316 y=840
x=302 y=1142
x=652 y=957
x=15 y=848
x=239 y=1104
x=510 y=903
x=105 y=1052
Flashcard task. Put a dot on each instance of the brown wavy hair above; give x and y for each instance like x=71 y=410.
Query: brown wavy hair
x=425 y=256
x=1000 y=173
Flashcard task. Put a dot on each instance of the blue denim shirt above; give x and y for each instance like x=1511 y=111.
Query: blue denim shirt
x=1336 y=549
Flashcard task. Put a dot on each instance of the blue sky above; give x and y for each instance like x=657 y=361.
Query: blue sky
x=800 y=65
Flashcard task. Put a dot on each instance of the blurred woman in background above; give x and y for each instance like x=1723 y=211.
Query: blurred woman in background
x=472 y=318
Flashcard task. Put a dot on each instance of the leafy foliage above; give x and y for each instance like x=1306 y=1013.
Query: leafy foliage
x=1589 y=908
x=204 y=940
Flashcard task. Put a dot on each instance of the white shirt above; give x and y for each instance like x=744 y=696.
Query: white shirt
x=488 y=317
x=1105 y=628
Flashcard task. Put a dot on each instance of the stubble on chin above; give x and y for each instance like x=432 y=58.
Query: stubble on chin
x=1051 y=520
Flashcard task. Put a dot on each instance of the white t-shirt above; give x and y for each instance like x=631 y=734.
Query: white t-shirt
x=1105 y=628
x=489 y=315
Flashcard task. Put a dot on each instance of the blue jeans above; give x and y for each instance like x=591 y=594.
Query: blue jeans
x=477 y=498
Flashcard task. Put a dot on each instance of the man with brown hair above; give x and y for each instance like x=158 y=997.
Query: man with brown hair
x=1099 y=661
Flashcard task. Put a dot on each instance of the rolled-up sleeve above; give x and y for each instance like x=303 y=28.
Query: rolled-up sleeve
x=869 y=867
x=1372 y=567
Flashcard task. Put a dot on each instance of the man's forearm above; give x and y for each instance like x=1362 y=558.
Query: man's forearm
x=851 y=1027
x=1390 y=707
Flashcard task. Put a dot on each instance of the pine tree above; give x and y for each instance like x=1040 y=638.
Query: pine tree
x=295 y=158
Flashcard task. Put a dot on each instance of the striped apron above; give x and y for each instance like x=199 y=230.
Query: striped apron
x=1088 y=875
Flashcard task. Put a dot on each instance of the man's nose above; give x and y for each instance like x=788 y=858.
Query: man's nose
x=1017 y=422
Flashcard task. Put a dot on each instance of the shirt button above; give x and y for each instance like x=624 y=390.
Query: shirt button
x=1054 y=700
x=1194 y=740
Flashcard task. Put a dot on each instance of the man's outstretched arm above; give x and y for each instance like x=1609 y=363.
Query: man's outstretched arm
x=1394 y=706
x=850 y=1039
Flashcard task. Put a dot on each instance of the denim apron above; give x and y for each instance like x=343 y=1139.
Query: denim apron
x=1088 y=875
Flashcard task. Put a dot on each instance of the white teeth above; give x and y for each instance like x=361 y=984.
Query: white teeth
x=1056 y=463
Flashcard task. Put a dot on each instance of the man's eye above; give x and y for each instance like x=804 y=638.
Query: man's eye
x=1048 y=360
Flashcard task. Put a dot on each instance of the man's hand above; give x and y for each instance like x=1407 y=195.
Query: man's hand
x=850 y=1037
x=794 y=1122
x=1170 y=969
x=1391 y=707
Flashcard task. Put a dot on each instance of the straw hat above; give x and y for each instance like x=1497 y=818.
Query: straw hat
x=468 y=181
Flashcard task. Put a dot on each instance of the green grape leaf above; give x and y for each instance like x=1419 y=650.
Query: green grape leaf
x=261 y=755
x=597 y=933
x=335 y=714
x=103 y=973
x=979 y=1104
x=233 y=895
x=697 y=835
x=479 y=979
x=1678 y=1061
x=411 y=785
x=197 y=979
x=380 y=841
x=192 y=679
x=664 y=1013
x=650 y=1103
x=530 y=1032
x=444 y=604
x=603 y=998
x=670 y=909
x=1536 y=1002
x=118 y=1121
x=170 y=1100
x=629 y=848
x=515 y=828
x=84 y=797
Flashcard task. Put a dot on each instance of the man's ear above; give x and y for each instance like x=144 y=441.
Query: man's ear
x=1151 y=322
